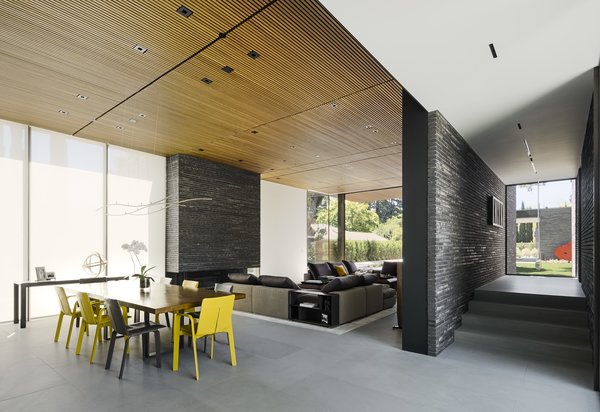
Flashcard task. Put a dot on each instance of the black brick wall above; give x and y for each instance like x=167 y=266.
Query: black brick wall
x=220 y=234
x=511 y=229
x=464 y=251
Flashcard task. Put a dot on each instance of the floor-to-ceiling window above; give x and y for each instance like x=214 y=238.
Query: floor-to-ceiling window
x=321 y=227
x=13 y=163
x=545 y=223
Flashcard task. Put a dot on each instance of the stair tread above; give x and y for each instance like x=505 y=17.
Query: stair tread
x=527 y=322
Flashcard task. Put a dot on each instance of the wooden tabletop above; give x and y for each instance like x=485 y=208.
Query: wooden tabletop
x=161 y=298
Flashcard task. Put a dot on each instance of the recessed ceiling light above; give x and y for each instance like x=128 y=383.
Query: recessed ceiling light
x=271 y=169
x=493 y=50
x=375 y=131
x=132 y=121
x=317 y=156
x=143 y=115
x=140 y=49
x=206 y=80
x=254 y=131
x=369 y=126
x=240 y=160
x=253 y=54
x=82 y=97
x=119 y=127
x=334 y=105
x=227 y=69
x=292 y=147
x=285 y=160
x=200 y=150
x=184 y=11
x=278 y=178
x=394 y=143
x=63 y=112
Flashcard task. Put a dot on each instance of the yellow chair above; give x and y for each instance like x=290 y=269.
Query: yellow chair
x=215 y=317
x=65 y=310
x=90 y=316
x=191 y=284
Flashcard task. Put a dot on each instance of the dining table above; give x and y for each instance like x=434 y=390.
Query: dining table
x=161 y=298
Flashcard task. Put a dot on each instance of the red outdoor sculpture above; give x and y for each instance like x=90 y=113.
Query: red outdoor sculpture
x=564 y=252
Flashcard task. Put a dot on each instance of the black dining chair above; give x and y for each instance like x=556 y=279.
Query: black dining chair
x=128 y=331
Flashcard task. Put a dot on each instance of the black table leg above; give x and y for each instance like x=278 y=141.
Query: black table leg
x=16 y=302
x=146 y=337
x=23 y=307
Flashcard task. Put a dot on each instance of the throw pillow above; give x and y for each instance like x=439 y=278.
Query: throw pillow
x=320 y=269
x=341 y=270
x=346 y=282
x=351 y=266
x=245 y=278
x=333 y=265
x=278 y=282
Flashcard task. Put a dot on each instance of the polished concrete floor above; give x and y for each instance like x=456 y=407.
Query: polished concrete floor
x=285 y=368
x=536 y=285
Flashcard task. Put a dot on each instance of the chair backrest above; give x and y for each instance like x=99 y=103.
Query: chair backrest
x=115 y=315
x=166 y=281
x=62 y=300
x=222 y=287
x=87 y=311
x=190 y=284
x=215 y=315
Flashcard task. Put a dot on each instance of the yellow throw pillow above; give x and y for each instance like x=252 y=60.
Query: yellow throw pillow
x=341 y=270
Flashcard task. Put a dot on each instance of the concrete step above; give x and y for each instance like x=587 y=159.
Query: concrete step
x=522 y=329
x=522 y=345
x=525 y=299
x=564 y=317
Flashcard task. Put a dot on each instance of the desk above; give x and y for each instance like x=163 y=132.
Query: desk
x=161 y=298
x=21 y=288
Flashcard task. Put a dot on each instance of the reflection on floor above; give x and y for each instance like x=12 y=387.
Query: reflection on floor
x=283 y=368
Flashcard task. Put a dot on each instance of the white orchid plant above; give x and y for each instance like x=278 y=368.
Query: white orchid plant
x=135 y=248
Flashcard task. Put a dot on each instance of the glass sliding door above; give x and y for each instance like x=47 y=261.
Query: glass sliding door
x=66 y=218
x=13 y=163
x=321 y=227
x=135 y=178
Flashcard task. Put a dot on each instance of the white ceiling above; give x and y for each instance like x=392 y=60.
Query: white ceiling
x=542 y=78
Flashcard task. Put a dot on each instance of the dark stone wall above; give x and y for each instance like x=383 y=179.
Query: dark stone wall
x=511 y=229
x=223 y=233
x=555 y=230
x=464 y=251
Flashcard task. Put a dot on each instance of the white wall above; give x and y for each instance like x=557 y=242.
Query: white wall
x=282 y=231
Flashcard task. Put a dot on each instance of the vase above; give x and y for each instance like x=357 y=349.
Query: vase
x=145 y=285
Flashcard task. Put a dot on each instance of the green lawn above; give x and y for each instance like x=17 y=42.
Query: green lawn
x=548 y=268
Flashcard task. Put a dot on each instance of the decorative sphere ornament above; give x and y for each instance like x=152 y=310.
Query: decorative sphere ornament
x=94 y=264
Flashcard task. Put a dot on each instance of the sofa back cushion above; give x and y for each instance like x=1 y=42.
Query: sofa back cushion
x=368 y=278
x=277 y=282
x=333 y=265
x=350 y=265
x=320 y=269
x=245 y=278
x=341 y=283
x=389 y=268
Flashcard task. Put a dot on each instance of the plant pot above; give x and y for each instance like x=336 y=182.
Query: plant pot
x=145 y=285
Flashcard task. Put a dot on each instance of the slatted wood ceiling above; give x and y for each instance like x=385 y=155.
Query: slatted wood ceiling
x=313 y=111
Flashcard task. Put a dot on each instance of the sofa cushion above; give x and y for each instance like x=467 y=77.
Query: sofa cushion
x=351 y=266
x=389 y=268
x=333 y=265
x=341 y=283
x=245 y=278
x=388 y=293
x=278 y=282
x=368 y=278
x=320 y=269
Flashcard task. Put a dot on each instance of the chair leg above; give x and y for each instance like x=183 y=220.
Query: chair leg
x=58 y=326
x=97 y=338
x=206 y=337
x=70 y=331
x=111 y=348
x=167 y=318
x=231 y=347
x=82 y=330
x=125 y=350
x=176 y=322
x=157 y=348
x=196 y=360
x=212 y=346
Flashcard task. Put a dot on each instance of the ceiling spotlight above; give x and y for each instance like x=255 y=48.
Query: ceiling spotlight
x=368 y=126
x=240 y=160
x=292 y=147
x=119 y=127
x=394 y=143
x=140 y=49
x=493 y=50
x=253 y=54
x=63 y=112
x=184 y=11
x=254 y=131
x=228 y=69
x=334 y=105
x=142 y=115
x=375 y=131
x=132 y=121
x=82 y=97
x=317 y=156
x=200 y=149
x=206 y=80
